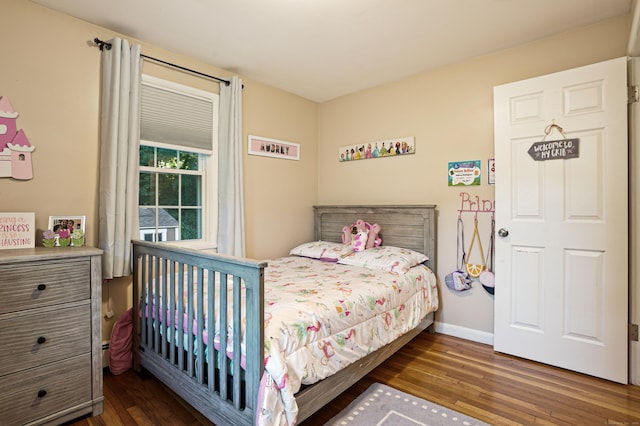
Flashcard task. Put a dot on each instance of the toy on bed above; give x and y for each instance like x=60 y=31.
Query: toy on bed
x=361 y=235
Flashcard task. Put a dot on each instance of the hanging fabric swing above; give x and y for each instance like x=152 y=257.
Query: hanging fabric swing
x=487 y=277
x=475 y=269
x=458 y=280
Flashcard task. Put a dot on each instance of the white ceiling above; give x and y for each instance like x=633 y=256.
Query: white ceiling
x=323 y=49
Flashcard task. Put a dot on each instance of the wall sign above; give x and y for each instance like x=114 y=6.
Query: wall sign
x=267 y=147
x=491 y=171
x=377 y=149
x=464 y=173
x=17 y=230
x=474 y=204
x=561 y=149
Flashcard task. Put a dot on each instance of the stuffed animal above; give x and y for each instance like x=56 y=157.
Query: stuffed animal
x=364 y=231
x=350 y=232
x=359 y=242
x=373 y=239
x=346 y=235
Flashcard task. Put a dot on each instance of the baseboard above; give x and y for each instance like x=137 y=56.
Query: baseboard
x=464 y=333
x=105 y=354
x=634 y=363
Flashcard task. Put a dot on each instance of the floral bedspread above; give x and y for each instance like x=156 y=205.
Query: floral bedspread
x=328 y=316
x=319 y=318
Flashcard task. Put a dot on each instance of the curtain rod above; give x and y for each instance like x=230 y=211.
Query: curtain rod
x=106 y=45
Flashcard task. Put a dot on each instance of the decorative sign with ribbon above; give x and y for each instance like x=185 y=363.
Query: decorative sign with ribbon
x=555 y=150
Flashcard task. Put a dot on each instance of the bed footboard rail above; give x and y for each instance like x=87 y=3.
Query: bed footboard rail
x=193 y=308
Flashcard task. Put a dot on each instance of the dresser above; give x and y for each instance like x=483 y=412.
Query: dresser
x=50 y=334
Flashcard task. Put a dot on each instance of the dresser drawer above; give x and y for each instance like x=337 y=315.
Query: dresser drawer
x=35 y=284
x=30 y=395
x=44 y=336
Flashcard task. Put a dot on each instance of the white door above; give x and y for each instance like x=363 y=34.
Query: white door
x=561 y=262
x=634 y=222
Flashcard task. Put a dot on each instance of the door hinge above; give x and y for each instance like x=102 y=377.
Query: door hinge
x=633 y=332
x=633 y=95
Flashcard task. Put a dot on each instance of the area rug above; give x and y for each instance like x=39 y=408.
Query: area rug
x=381 y=405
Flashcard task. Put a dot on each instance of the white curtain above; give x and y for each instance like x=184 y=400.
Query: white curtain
x=119 y=151
x=230 y=193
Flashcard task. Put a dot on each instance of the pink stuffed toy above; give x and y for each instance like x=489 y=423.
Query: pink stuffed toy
x=350 y=232
x=346 y=235
x=361 y=235
x=359 y=241
x=374 y=240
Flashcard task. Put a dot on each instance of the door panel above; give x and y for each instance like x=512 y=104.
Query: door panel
x=529 y=179
x=561 y=273
x=528 y=295
x=583 y=295
x=584 y=179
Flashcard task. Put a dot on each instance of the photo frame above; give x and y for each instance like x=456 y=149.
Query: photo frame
x=69 y=222
x=267 y=147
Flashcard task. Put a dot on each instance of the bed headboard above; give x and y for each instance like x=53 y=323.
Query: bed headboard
x=412 y=227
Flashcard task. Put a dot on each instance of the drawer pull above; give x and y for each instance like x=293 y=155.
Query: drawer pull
x=41 y=340
x=42 y=287
x=42 y=393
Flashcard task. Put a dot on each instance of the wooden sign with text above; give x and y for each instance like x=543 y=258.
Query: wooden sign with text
x=17 y=230
x=555 y=150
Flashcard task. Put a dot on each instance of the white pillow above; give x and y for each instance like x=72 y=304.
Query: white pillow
x=386 y=258
x=322 y=250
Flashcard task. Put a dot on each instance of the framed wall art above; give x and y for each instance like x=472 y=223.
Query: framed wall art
x=491 y=171
x=377 y=149
x=267 y=147
x=464 y=173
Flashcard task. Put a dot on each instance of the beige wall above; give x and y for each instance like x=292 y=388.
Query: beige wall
x=450 y=113
x=51 y=76
x=279 y=193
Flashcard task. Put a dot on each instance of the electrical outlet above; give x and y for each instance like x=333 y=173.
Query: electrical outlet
x=109 y=314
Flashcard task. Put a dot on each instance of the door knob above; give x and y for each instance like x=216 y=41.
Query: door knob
x=503 y=232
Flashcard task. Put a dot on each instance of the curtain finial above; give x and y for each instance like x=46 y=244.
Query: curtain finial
x=102 y=44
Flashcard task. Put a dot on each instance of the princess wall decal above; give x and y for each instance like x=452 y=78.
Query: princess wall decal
x=15 y=149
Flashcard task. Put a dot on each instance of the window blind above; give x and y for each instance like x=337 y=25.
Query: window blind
x=167 y=116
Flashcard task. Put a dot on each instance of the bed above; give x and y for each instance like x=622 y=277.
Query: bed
x=184 y=298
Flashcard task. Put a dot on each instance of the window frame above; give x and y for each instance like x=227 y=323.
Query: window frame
x=207 y=163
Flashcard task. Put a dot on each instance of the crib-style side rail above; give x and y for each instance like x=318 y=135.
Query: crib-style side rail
x=187 y=302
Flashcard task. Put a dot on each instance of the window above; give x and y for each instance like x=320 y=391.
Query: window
x=170 y=196
x=153 y=236
x=178 y=168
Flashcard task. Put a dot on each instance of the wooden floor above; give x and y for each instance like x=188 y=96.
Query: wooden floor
x=459 y=374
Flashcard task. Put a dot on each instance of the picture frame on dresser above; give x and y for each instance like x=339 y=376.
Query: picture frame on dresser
x=69 y=222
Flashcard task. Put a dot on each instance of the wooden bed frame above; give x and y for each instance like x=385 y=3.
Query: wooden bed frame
x=226 y=394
